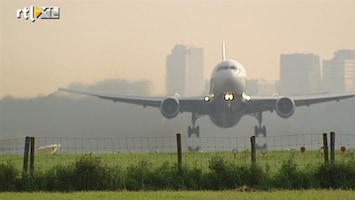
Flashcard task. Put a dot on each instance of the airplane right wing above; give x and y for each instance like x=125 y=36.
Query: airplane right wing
x=261 y=104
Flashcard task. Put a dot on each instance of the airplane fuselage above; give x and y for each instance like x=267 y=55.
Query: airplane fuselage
x=228 y=83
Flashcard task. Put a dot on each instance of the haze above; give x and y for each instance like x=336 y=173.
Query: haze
x=100 y=40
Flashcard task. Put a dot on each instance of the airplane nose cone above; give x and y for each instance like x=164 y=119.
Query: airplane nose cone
x=227 y=81
x=226 y=75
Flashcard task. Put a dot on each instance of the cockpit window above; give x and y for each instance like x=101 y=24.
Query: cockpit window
x=227 y=67
x=222 y=68
x=233 y=67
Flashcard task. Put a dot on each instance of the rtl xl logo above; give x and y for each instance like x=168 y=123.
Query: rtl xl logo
x=34 y=12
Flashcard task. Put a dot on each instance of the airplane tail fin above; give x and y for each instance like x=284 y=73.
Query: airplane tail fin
x=223 y=51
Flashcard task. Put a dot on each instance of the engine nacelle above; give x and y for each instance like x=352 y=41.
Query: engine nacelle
x=285 y=107
x=170 y=107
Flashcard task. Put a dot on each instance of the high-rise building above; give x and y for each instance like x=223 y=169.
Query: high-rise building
x=176 y=70
x=194 y=72
x=299 y=74
x=184 y=67
x=339 y=72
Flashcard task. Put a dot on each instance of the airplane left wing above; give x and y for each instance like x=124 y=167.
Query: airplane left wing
x=187 y=104
x=146 y=101
x=261 y=104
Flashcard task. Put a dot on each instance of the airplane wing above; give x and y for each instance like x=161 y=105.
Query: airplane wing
x=187 y=104
x=261 y=104
x=198 y=105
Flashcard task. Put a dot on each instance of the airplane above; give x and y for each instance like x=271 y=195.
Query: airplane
x=226 y=103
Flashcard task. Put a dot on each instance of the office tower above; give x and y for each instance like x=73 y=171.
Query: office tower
x=176 y=70
x=194 y=72
x=299 y=74
x=184 y=67
x=339 y=72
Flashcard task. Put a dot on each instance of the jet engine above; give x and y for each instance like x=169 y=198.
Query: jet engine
x=285 y=107
x=170 y=107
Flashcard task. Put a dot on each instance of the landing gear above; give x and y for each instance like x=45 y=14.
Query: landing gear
x=194 y=131
x=260 y=131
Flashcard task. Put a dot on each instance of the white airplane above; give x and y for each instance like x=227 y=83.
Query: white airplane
x=227 y=102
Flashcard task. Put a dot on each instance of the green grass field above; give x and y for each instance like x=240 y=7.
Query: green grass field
x=206 y=195
x=158 y=171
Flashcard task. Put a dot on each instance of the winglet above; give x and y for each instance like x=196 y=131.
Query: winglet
x=223 y=51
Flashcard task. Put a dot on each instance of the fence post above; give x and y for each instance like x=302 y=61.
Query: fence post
x=325 y=148
x=179 y=152
x=332 y=147
x=253 y=149
x=32 y=154
x=25 y=156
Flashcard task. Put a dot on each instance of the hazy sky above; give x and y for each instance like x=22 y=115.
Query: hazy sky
x=98 y=40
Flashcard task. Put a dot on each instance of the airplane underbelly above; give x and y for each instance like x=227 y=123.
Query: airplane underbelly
x=226 y=114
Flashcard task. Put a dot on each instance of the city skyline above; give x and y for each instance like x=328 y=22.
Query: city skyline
x=307 y=73
x=132 y=41
x=300 y=74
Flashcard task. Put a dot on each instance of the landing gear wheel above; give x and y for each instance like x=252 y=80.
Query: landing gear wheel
x=263 y=131
x=194 y=149
x=193 y=131
x=260 y=130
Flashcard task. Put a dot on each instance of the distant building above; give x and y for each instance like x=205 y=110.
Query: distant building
x=299 y=74
x=266 y=88
x=184 y=67
x=176 y=70
x=339 y=72
x=261 y=87
x=194 y=84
